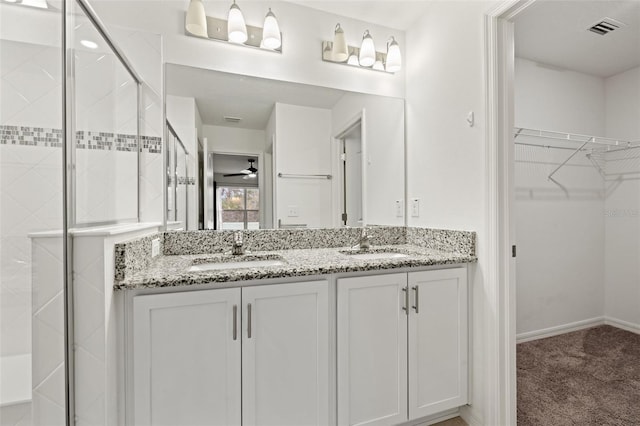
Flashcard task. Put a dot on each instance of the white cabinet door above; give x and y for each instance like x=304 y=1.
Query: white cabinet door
x=186 y=359
x=372 y=350
x=285 y=360
x=437 y=341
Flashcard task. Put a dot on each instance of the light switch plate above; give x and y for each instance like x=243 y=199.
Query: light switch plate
x=293 y=211
x=155 y=247
x=415 y=207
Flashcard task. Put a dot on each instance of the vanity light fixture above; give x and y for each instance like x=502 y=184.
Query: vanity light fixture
x=271 y=38
x=233 y=29
x=353 y=60
x=364 y=56
x=339 y=50
x=394 y=58
x=196 y=21
x=367 y=50
x=236 y=27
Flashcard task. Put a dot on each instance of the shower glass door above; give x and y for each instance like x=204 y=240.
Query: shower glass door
x=32 y=255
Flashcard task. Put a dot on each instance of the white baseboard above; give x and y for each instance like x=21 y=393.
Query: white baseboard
x=436 y=418
x=559 y=329
x=470 y=415
x=625 y=325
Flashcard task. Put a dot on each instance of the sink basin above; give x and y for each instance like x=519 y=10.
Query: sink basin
x=379 y=255
x=236 y=263
x=212 y=266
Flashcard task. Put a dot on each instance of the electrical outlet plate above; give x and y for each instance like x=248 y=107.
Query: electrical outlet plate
x=399 y=208
x=155 y=247
x=415 y=207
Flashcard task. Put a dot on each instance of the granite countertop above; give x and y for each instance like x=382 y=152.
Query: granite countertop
x=173 y=270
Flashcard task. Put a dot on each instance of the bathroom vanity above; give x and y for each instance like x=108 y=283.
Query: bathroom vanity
x=303 y=329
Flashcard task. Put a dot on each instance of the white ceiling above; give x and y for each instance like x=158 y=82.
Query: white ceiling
x=399 y=15
x=219 y=94
x=555 y=33
x=223 y=163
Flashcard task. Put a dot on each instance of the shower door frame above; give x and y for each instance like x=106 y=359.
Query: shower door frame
x=68 y=170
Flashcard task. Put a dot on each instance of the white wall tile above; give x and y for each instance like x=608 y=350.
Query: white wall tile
x=48 y=350
x=47 y=412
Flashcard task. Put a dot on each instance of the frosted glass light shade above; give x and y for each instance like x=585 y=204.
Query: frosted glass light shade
x=394 y=58
x=353 y=60
x=236 y=28
x=377 y=65
x=196 y=21
x=339 y=51
x=367 y=50
x=271 y=38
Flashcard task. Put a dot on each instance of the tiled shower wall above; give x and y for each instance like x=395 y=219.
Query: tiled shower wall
x=31 y=164
x=31 y=176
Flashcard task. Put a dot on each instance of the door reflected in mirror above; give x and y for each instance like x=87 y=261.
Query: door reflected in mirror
x=277 y=154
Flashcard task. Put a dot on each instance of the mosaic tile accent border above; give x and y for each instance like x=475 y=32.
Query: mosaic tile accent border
x=52 y=138
x=186 y=180
x=30 y=136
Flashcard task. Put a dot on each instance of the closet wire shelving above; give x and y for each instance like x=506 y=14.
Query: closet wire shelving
x=600 y=151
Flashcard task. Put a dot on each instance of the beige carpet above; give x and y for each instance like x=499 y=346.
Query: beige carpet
x=588 y=377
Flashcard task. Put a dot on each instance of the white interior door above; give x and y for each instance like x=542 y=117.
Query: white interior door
x=437 y=341
x=285 y=377
x=372 y=350
x=353 y=179
x=187 y=358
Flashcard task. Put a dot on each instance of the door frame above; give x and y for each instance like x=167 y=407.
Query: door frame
x=337 y=186
x=261 y=181
x=500 y=308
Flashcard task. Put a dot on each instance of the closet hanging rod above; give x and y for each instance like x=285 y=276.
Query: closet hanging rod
x=570 y=137
x=550 y=146
x=303 y=176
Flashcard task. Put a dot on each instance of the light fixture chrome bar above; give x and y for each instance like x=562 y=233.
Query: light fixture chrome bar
x=217 y=31
x=303 y=176
x=353 y=50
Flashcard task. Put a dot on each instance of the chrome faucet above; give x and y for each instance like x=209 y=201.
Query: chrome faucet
x=237 y=248
x=364 y=243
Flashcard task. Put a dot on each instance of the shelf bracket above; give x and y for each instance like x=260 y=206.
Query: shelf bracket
x=550 y=177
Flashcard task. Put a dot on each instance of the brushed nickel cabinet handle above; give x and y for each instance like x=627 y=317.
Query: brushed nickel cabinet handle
x=417 y=305
x=235 y=322
x=406 y=300
x=249 y=320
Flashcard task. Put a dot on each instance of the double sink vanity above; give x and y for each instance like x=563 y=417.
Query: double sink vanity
x=294 y=327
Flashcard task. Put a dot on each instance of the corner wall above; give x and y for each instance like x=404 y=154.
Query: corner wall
x=446 y=157
x=559 y=226
x=622 y=207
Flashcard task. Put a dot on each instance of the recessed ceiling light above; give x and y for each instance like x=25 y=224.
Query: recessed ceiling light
x=90 y=44
x=42 y=4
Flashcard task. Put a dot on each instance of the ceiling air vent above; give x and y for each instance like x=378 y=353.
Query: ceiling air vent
x=605 y=25
x=229 y=119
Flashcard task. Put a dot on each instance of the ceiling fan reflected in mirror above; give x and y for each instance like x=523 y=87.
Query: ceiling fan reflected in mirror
x=248 y=173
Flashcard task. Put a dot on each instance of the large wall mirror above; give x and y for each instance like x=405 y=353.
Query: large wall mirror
x=275 y=154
